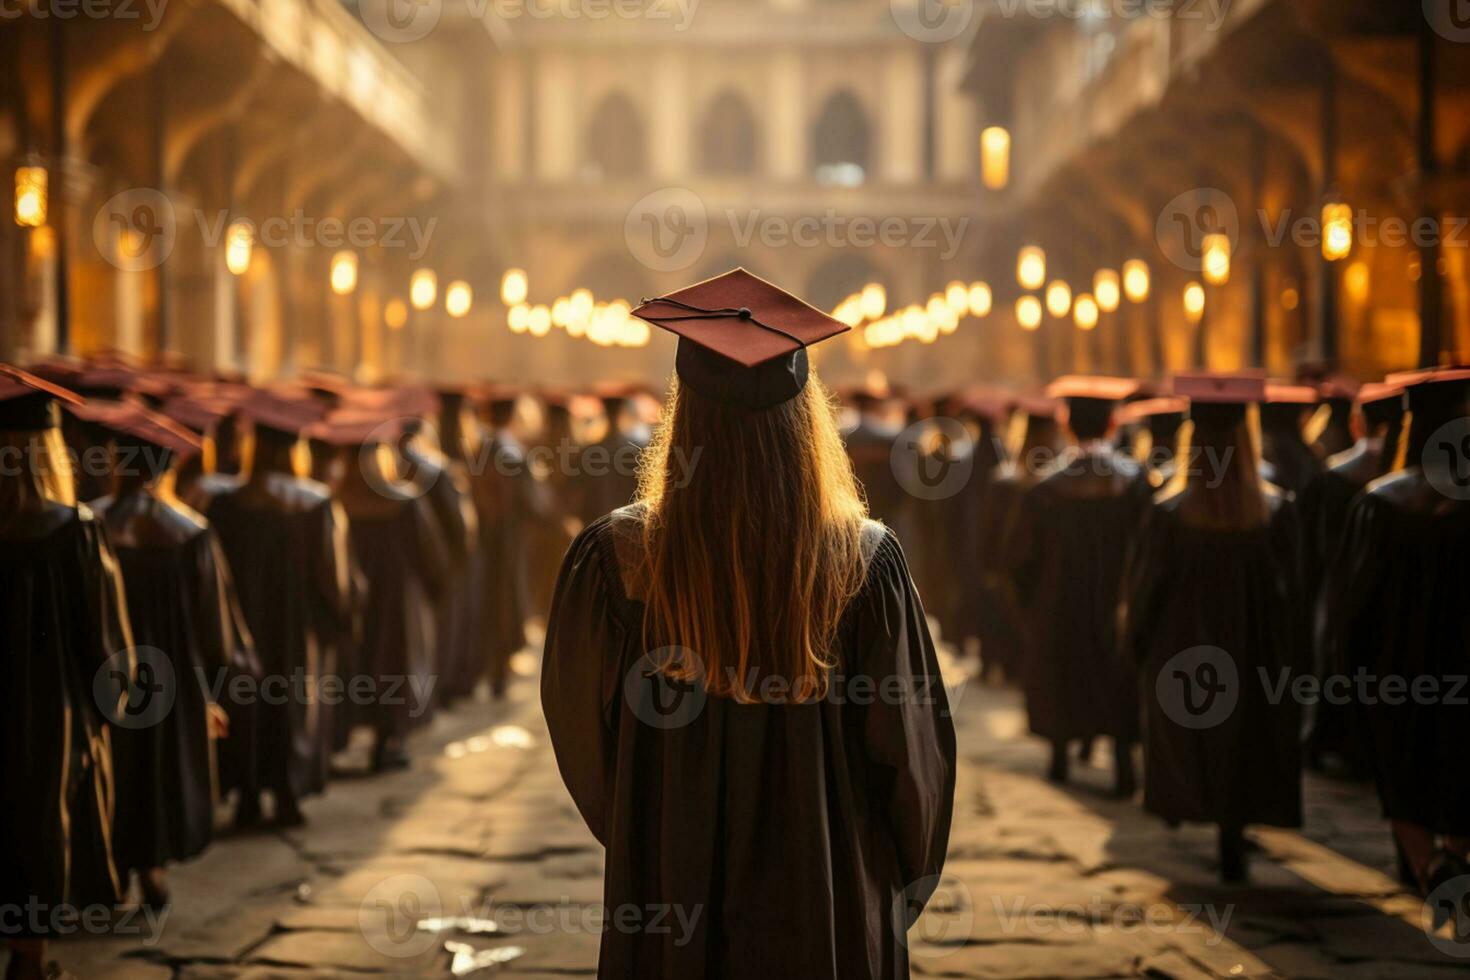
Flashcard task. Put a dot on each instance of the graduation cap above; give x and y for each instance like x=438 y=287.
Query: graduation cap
x=1037 y=406
x=1203 y=387
x=26 y=401
x=1434 y=390
x=352 y=428
x=281 y=412
x=1091 y=388
x=135 y=425
x=1282 y=393
x=117 y=381
x=742 y=340
x=1154 y=408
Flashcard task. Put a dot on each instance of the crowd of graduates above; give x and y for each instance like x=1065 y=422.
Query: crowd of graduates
x=1248 y=577
x=209 y=588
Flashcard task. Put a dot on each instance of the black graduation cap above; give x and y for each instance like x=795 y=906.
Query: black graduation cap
x=135 y=425
x=741 y=339
x=26 y=401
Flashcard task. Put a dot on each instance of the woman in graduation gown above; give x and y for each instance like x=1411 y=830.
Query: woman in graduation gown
x=64 y=619
x=1396 y=608
x=285 y=540
x=1291 y=463
x=182 y=607
x=703 y=662
x=1214 y=614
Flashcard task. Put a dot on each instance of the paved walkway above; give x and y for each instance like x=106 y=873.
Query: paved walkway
x=475 y=860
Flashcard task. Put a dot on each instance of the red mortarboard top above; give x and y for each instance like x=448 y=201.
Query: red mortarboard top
x=200 y=412
x=281 y=410
x=741 y=339
x=116 y=381
x=1222 y=389
x=1037 y=406
x=1424 y=376
x=1151 y=407
x=1379 y=391
x=136 y=424
x=1283 y=393
x=1092 y=387
x=319 y=382
x=62 y=371
x=987 y=402
x=1339 y=387
x=355 y=427
x=26 y=400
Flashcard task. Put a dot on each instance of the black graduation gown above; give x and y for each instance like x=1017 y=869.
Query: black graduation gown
x=182 y=605
x=1239 y=591
x=609 y=474
x=1290 y=463
x=445 y=485
x=1003 y=636
x=63 y=616
x=871 y=449
x=790 y=831
x=1396 y=607
x=509 y=502
x=401 y=555
x=1071 y=543
x=286 y=545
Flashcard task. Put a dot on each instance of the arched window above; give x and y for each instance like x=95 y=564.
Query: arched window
x=841 y=142
x=616 y=140
x=728 y=139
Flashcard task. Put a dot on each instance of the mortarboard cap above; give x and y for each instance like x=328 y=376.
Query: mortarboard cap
x=742 y=340
x=281 y=411
x=1152 y=408
x=349 y=427
x=1093 y=388
x=1037 y=406
x=1242 y=388
x=136 y=425
x=1379 y=391
x=26 y=401
x=1283 y=393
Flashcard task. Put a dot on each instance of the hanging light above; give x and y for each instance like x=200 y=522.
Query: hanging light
x=1084 y=312
x=1107 y=289
x=1135 y=280
x=1215 y=259
x=1028 y=312
x=519 y=318
x=239 y=243
x=1356 y=281
x=423 y=289
x=395 y=314
x=979 y=299
x=458 y=297
x=957 y=298
x=995 y=157
x=539 y=322
x=873 y=300
x=1337 y=231
x=30 y=196
x=1031 y=267
x=514 y=287
x=344 y=272
x=1194 y=302
x=1058 y=298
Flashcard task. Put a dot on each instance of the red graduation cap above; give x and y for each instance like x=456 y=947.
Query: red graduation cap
x=1241 y=388
x=350 y=427
x=1377 y=391
x=136 y=425
x=26 y=400
x=741 y=339
x=281 y=411
x=1094 y=387
x=1152 y=407
x=1283 y=393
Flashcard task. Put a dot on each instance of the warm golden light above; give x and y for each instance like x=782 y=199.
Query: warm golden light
x=344 y=272
x=239 y=243
x=514 y=287
x=539 y=322
x=995 y=157
x=850 y=311
x=395 y=314
x=1028 y=312
x=1356 y=280
x=1194 y=302
x=1135 y=280
x=1215 y=259
x=1106 y=289
x=1084 y=312
x=1290 y=298
x=979 y=299
x=1031 y=267
x=561 y=312
x=1058 y=298
x=957 y=298
x=519 y=318
x=874 y=301
x=423 y=289
x=1337 y=231
x=458 y=298
x=30 y=196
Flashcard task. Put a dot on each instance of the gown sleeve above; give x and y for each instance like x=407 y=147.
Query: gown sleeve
x=579 y=679
x=909 y=740
x=1143 y=574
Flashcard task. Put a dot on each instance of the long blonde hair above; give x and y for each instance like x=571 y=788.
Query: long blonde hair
x=1232 y=496
x=752 y=541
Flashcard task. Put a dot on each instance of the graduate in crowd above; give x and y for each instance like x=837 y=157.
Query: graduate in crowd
x=286 y=543
x=610 y=466
x=1290 y=462
x=1156 y=423
x=1066 y=562
x=402 y=556
x=1334 y=431
x=747 y=597
x=870 y=447
x=1395 y=607
x=182 y=607
x=1213 y=605
x=64 y=619
x=553 y=460
x=972 y=616
x=1337 y=728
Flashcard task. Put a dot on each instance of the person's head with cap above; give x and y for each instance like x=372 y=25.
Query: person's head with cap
x=1090 y=403
x=1157 y=421
x=146 y=445
x=1436 y=397
x=754 y=519
x=277 y=420
x=1380 y=414
x=1220 y=466
x=38 y=466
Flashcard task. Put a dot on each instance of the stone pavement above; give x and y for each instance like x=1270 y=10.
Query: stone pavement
x=475 y=862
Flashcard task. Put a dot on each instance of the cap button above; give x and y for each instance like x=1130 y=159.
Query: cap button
x=744 y=312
